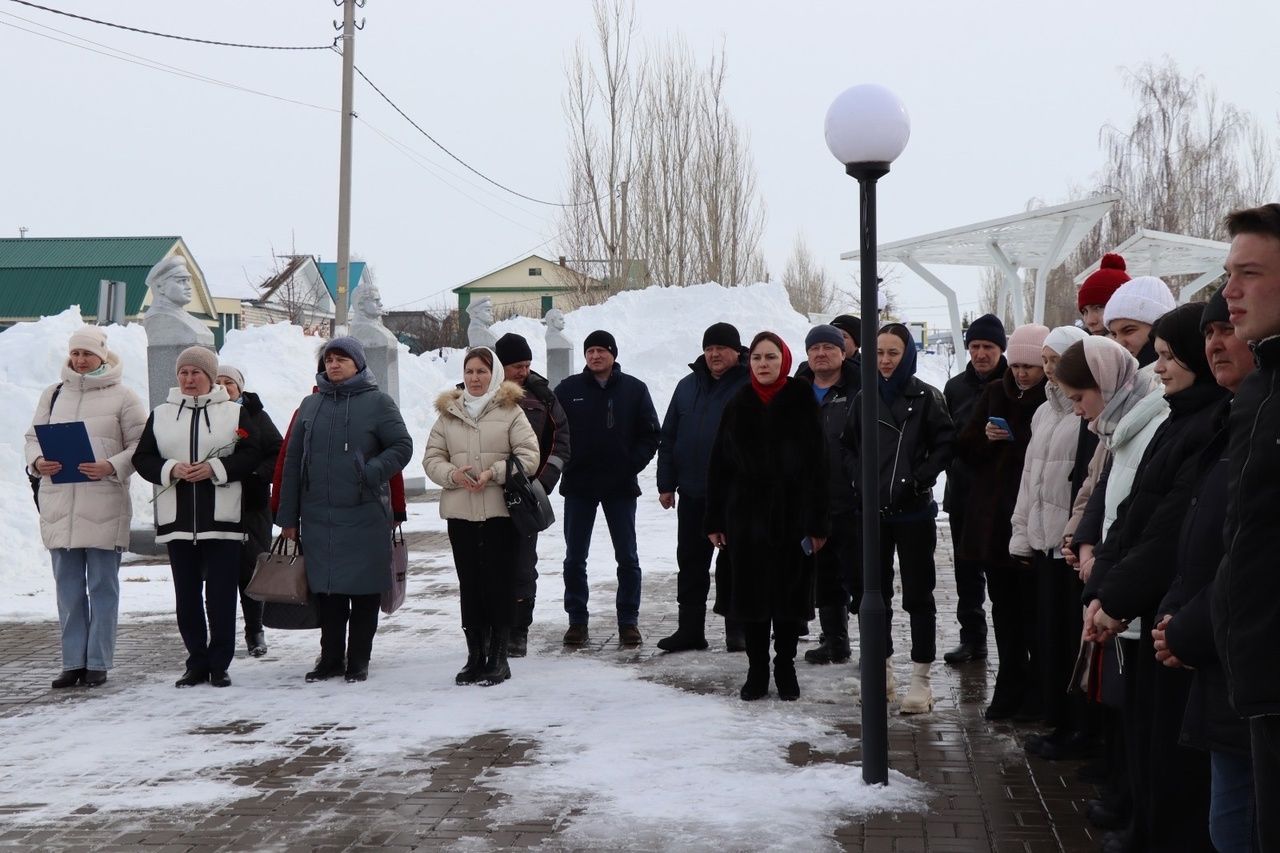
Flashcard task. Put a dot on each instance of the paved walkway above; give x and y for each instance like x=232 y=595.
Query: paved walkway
x=988 y=795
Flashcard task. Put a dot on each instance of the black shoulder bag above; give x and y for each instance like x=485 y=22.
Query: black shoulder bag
x=527 y=502
x=33 y=479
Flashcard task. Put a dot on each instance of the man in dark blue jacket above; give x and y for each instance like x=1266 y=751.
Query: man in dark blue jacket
x=688 y=432
x=615 y=434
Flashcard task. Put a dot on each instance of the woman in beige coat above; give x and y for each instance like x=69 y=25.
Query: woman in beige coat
x=481 y=425
x=85 y=525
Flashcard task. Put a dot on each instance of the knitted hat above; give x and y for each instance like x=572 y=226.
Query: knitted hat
x=601 y=338
x=347 y=345
x=824 y=335
x=201 y=358
x=1025 y=344
x=1215 y=310
x=1064 y=336
x=512 y=349
x=851 y=325
x=1102 y=282
x=91 y=339
x=1144 y=299
x=231 y=373
x=986 y=328
x=1180 y=329
x=722 y=335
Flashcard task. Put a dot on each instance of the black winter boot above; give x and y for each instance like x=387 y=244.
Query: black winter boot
x=474 y=669
x=734 y=638
x=690 y=636
x=496 y=670
x=757 y=643
x=518 y=639
x=784 y=662
x=257 y=643
x=835 y=637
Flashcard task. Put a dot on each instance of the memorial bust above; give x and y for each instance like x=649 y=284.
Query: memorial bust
x=480 y=313
x=366 y=323
x=167 y=320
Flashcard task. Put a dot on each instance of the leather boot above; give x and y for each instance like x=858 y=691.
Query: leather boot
x=734 y=638
x=690 y=635
x=756 y=635
x=496 y=670
x=474 y=668
x=834 y=647
x=784 y=662
x=919 y=698
x=69 y=678
x=257 y=643
x=518 y=637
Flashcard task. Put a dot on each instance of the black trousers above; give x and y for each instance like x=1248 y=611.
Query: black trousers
x=1013 y=598
x=485 y=555
x=837 y=561
x=1264 y=737
x=526 y=579
x=205 y=575
x=347 y=626
x=1056 y=636
x=694 y=553
x=250 y=608
x=970 y=590
x=786 y=635
x=914 y=542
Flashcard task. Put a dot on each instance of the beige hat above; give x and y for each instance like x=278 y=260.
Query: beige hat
x=201 y=358
x=91 y=339
x=231 y=373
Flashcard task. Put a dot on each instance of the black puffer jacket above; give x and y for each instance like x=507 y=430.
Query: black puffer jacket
x=916 y=434
x=551 y=425
x=255 y=505
x=1245 y=616
x=961 y=393
x=689 y=429
x=835 y=414
x=615 y=434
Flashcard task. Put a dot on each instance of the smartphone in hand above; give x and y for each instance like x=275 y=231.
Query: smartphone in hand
x=806 y=545
x=1001 y=423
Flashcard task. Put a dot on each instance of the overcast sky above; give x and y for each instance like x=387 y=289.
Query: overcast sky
x=1006 y=101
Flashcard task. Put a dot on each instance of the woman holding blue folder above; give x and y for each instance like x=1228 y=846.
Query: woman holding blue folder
x=85 y=524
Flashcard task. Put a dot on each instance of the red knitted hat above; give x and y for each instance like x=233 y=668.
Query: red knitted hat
x=1097 y=288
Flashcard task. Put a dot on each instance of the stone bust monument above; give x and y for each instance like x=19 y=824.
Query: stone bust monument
x=554 y=321
x=480 y=313
x=366 y=323
x=559 y=349
x=167 y=320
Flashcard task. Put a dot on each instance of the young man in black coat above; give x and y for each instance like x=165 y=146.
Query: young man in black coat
x=985 y=341
x=1246 y=616
x=688 y=433
x=551 y=425
x=615 y=430
x=255 y=502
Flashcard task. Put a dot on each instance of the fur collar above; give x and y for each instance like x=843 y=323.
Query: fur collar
x=509 y=394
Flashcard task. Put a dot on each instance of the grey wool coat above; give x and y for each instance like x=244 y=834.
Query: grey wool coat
x=348 y=440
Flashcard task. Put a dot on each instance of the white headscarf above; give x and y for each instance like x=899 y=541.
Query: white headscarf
x=1064 y=336
x=475 y=405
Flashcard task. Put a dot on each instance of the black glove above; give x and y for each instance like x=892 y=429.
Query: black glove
x=549 y=477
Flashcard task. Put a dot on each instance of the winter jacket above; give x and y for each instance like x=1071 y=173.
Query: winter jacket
x=256 y=500
x=1127 y=445
x=484 y=443
x=550 y=425
x=1209 y=721
x=835 y=408
x=996 y=467
x=690 y=426
x=1044 y=492
x=767 y=491
x=961 y=393
x=916 y=435
x=346 y=443
x=1246 y=618
x=96 y=513
x=206 y=428
x=615 y=434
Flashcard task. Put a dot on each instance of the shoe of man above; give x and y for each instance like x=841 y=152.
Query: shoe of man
x=68 y=678
x=220 y=679
x=325 y=670
x=576 y=635
x=735 y=639
x=1101 y=814
x=629 y=635
x=965 y=653
x=191 y=678
x=95 y=677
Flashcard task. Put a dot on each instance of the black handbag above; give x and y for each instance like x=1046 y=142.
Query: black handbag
x=291 y=617
x=527 y=502
x=31 y=478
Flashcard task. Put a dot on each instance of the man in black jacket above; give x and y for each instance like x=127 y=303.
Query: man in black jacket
x=985 y=341
x=836 y=381
x=550 y=424
x=1245 y=615
x=688 y=432
x=616 y=431
x=255 y=502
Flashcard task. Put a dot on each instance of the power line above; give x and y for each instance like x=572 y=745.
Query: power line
x=171 y=35
x=464 y=163
x=144 y=62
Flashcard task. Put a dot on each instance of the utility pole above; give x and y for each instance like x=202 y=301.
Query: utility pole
x=344 y=168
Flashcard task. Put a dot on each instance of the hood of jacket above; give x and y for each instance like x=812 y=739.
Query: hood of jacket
x=362 y=381
x=113 y=373
x=217 y=395
x=450 y=402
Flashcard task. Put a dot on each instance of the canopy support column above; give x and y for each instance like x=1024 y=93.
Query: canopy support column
x=1200 y=283
x=953 y=306
x=1051 y=260
x=1012 y=279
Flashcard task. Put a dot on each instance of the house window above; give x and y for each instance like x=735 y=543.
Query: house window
x=535 y=270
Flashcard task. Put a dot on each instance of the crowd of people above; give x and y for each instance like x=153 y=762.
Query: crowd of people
x=1106 y=488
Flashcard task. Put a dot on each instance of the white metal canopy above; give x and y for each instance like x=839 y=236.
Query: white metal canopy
x=1037 y=239
x=1161 y=254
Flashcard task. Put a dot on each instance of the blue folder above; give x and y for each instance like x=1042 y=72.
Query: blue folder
x=67 y=443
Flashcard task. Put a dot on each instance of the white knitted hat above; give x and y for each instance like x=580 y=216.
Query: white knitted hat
x=1064 y=336
x=1145 y=299
x=91 y=339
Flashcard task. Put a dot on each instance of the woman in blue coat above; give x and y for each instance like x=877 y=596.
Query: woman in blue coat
x=347 y=442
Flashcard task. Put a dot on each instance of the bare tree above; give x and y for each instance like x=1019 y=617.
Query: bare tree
x=809 y=287
x=886 y=296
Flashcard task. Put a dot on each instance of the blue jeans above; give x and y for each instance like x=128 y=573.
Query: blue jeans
x=579 y=521
x=1231 y=804
x=88 y=590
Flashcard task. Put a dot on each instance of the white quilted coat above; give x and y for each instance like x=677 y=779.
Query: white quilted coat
x=1044 y=493
x=94 y=514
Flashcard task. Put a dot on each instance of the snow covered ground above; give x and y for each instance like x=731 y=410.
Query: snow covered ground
x=614 y=738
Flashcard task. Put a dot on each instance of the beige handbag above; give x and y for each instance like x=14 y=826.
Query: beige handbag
x=280 y=576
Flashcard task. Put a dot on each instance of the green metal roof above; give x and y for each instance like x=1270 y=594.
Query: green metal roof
x=41 y=276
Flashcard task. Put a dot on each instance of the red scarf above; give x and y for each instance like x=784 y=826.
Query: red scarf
x=768 y=392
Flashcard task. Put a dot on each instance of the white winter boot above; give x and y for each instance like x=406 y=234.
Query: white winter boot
x=890 y=683
x=919 y=698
